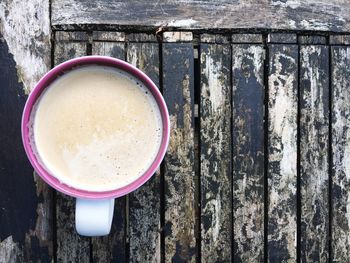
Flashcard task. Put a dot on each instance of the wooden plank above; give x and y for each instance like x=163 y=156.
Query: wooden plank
x=25 y=218
x=25 y=200
x=314 y=147
x=144 y=203
x=215 y=152
x=112 y=247
x=282 y=152
x=339 y=39
x=108 y=36
x=177 y=36
x=340 y=154
x=70 y=246
x=246 y=38
x=248 y=152
x=282 y=38
x=179 y=177
x=312 y=40
x=320 y=15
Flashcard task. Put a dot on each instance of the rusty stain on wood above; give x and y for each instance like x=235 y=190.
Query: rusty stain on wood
x=341 y=154
x=112 y=247
x=70 y=246
x=215 y=150
x=179 y=177
x=248 y=152
x=314 y=147
x=144 y=203
x=282 y=152
x=20 y=24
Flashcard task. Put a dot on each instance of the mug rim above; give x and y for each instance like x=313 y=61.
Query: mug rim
x=55 y=73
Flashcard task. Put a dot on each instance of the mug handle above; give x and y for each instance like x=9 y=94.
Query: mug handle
x=93 y=217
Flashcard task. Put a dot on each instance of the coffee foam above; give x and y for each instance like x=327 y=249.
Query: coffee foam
x=109 y=159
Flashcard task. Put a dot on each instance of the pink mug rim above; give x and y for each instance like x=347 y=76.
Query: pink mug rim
x=60 y=69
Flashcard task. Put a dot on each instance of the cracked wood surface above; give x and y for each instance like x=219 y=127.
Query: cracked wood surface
x=248 y=152
x=215 y=152
x=144 y=203
x=179 y=176
x=314 y=147
x=112 y=247
x=282 y=152
x=70 y=246
x=320 y=15
x=340 y=154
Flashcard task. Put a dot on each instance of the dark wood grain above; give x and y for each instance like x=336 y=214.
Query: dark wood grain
x=282 y=152
x=314 y=147
x=112 y=247
x=248 y=152
x=193 y=14
x=70 y=246
x=179 y=177
x=340 y=153
x=215 y=152
x=144 y=203
x=25 y=200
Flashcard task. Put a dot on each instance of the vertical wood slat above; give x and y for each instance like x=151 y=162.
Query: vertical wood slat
x=282 y=152
x=215 y=152
x=248 y=151
x=314 y=182
x=341 y=154
x=112 y=247
x=144 y=203
x=70 y=246
x=179 y=177
x=25 y=199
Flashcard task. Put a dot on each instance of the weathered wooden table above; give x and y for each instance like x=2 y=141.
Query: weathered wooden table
x=258 y=166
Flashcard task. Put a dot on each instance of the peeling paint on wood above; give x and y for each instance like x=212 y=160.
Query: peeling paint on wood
x=112 y=247
x=25 y=218
x=179 y=177
x=70 y=246
x=282 y=152
x=320 y=15
x=215 y=150
x=25 y=26
x=144 y=203
x=248 y=152
x=314 y=147
x=341 y=154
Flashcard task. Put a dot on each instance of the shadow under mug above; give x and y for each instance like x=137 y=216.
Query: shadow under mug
x=94 y=210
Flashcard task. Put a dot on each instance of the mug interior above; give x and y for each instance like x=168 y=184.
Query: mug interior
x=58 y=71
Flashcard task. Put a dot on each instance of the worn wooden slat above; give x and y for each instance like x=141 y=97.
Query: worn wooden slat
x=25 y=200
x=248 y=152
x=112 y=247
x=70 y=246
x=179 y=177
x=339 y=39
x=144 y=203
x=26 y=207
x=246 y=38
x=282 y=38
x=312 y=40
x=340 y=152
x=106 y=36
x=314 y=120
x=282 y=152
x=177 y=36
x=215 y=152
x=201 y=14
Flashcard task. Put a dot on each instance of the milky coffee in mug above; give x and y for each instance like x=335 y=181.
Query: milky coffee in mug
x=96 y=128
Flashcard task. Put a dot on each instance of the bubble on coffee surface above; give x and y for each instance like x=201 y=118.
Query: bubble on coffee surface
x=97 y=163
